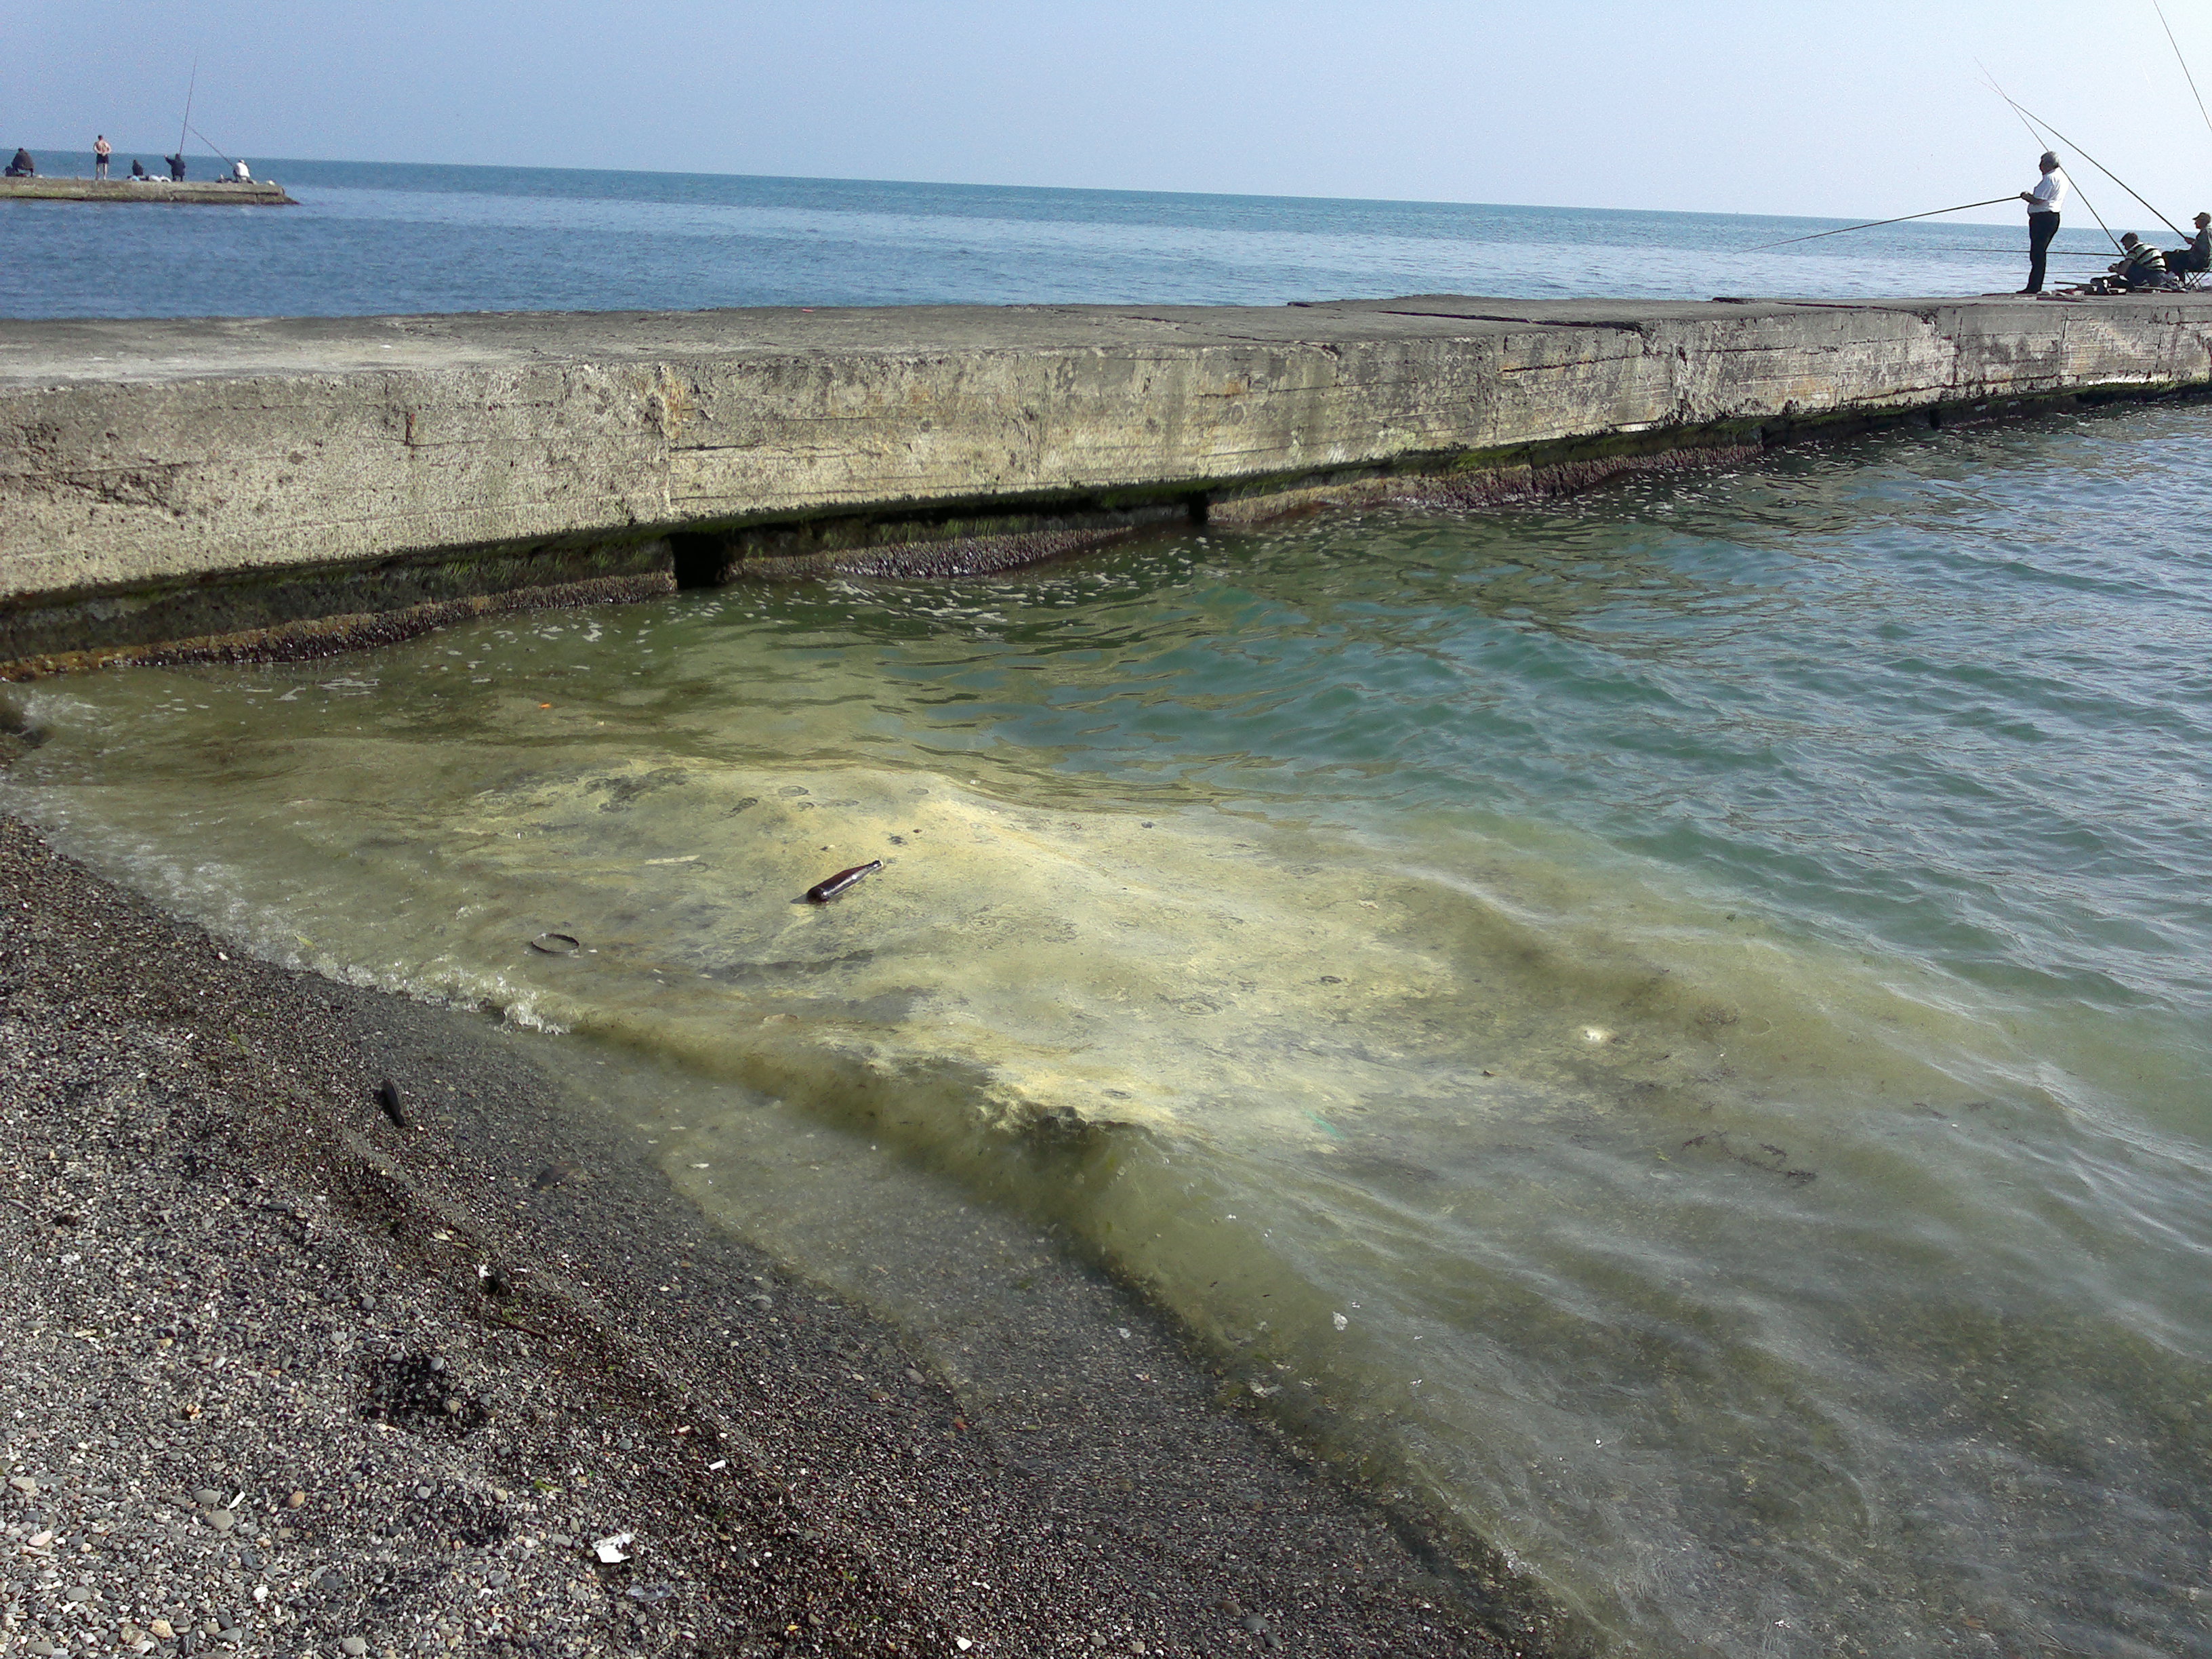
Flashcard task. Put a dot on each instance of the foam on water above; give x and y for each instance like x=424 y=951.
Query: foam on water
x=1656 y=1026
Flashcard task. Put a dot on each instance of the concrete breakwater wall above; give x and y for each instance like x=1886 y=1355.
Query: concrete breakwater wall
x=180 y=488
x=122 y=190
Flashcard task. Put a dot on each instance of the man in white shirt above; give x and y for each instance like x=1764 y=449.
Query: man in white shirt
x=2043 y=204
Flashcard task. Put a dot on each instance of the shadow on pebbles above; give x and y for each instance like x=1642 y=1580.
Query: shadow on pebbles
x=285 y=1370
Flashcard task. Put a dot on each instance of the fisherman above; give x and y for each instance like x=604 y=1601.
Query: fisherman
x=241 y=174
x=2043 y=204
x=102 y=149
x=22 y=167
x=2198 y=256
x=2140 y=267
x=176 y=168
x=137 y=168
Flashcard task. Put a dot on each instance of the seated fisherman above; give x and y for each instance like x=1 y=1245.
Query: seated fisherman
x=22 y=167
x=137 y=168
x=242 y=175
x=2198 y=256
x=2140 y=267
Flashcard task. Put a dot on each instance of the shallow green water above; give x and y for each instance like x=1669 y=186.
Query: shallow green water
x=1676 y=1023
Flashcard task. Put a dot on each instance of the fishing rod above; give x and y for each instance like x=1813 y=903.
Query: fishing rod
x=2100 y=167
x=212 y=145
x=2183 y=62
x=2042 y=143
x=1873 y=224
x=186 y=125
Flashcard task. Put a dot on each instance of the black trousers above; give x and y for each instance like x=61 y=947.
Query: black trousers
x=2041 y=228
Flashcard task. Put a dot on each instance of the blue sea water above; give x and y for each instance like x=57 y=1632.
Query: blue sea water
x=372 y=239
x=1676 y=1023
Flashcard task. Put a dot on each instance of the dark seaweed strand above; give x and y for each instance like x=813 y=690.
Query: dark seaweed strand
x=822 y=892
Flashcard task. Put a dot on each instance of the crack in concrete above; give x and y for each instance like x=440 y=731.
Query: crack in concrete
x=1528 y=322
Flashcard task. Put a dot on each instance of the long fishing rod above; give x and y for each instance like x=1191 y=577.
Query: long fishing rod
x=212 y=145
x=2042 y=143
x=2183 y=62
x=2100 y=167
x=186 y=125
x=1872 y=224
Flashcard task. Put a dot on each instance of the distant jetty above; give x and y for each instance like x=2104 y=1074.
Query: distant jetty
x=214 y=192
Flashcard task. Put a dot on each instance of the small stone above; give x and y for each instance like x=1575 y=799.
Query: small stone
x=421 y=1493
x=353 y=1646
x=221 y=1520
x=161 y=1630
x=39 y=1645
x=296 y=1500
x=207 y=1498
x=229 y=1633
x=80 y=1592
x=23 y=1483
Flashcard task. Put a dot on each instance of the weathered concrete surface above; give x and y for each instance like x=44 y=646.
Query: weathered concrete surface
x=212 y=192
x=195 y=480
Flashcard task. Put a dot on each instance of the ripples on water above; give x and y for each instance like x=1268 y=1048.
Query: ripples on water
x=1675 y=1024
x=376 y=238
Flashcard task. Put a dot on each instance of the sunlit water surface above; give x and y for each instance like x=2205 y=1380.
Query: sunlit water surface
x=373 y=238
x=1674 y=1025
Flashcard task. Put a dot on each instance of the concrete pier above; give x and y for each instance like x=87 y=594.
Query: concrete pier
x=209 y=487
x=121 y=187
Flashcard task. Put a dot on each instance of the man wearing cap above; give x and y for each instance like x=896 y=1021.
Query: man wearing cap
x=2198 y=256
x=2043 y=204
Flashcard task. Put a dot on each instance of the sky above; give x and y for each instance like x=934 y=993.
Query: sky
x=1847 y=110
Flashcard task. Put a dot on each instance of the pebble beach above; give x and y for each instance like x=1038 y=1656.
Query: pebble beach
x=324 y=1328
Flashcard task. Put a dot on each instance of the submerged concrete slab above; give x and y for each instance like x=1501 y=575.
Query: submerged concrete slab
x=201 y=483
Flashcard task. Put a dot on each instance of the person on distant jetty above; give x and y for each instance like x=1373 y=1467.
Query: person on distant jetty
x=137 y=168
x=176 y=168
x=22 y=167
x=2043 y=204
x=2198 y=256
x=102 y=149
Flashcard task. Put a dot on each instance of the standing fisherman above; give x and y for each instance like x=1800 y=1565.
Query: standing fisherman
x=2043 y=204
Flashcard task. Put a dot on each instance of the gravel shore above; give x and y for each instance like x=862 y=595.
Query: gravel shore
x=289 y=1369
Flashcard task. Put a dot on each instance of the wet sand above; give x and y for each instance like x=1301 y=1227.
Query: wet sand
x=284 y=1372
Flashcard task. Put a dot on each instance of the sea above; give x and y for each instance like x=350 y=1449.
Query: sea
x=1667 y=1028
